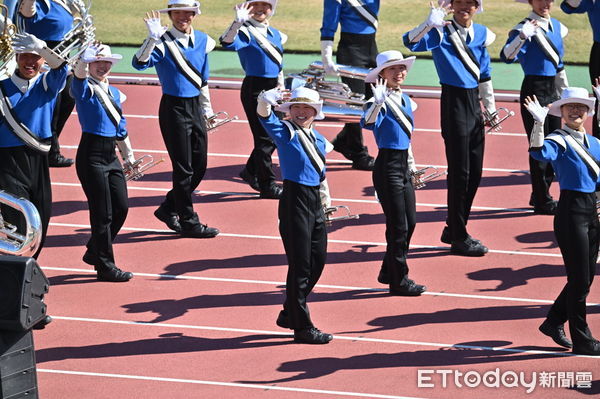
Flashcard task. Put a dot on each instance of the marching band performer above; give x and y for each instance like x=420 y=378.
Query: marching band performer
x=301 y=220
x=27 y=101
x=180 y=57
x=260 y=48
x=50 y=20
x=98 y=168
x=592 y=7
x=460 y=55
x=357 y=47
x=390 y=115
x=537 y=44
x=574 y=155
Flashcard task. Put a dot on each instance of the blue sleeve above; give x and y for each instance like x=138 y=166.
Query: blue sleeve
x=275 y=129
x=155 y=58
x=80 y=89
x=548 y=153
x=378 y=120
x=55 y=79
x=584 y=6
x=485 y=66
x=430 y=41
x=41 y=10
x=331 y=19
x=240 y=41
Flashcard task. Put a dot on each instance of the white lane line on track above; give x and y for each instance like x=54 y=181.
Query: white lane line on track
x=338 y=337
x=342 y=200
x=347 y=242
x=322 y=286
x=226 y=384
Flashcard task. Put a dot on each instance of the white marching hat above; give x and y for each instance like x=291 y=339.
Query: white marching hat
x=182 y=5
x=570 y=95
x=387 y=59
x=479 y=7
x=104 y=54
x=273 y=4
x=304 y=95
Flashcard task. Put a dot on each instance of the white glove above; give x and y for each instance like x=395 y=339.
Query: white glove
x=90 y=53
x=27 y=43
x=528 y=30
x=270 y=97
x=242 y=12
x=327 y=57
x=436 y=16
x=155 y=29
x=536 y=110
x=380 y=91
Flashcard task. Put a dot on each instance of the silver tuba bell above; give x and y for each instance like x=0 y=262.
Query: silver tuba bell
x=494 y=120
x=422 y=176
x=12 y=241
x=81 y=34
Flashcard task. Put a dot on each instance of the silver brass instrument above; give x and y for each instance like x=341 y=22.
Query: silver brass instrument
x=7 y=55
x=329 y=211
x=494 y=120
x=135 y=170
x=214 y=121
x=20 y=243
x=421 y=178
x=81 y=34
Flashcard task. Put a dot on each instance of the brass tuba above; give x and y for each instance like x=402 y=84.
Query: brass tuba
x=7 y=55
x=13 y=242
x=81 y=34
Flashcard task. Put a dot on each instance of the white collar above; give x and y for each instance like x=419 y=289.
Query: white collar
x=23 y=84
x=104 y=85
x=183 y=38
x=577 y=135
x=543 y=23
x=464 y=31
x=262 y=27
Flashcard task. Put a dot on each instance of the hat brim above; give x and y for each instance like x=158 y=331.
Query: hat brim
x=555 y=107
x=374 y=73
x=195 y=9
x=272 y=3
x=285 y=107
x=113 y=58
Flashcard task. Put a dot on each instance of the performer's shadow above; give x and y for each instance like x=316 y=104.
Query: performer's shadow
x=510 y=278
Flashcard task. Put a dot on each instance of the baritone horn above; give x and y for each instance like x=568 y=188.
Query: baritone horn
x=422 y=176
x=82 y=33
x=494 y=119
x=135 y=170
x=218 y=119
x=13 y=241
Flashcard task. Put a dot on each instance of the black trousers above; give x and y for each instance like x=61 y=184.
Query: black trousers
x=578 y=232
x=464 y=139
x=302 y=229
x=359 y=51
x=259 y=163
x=396 y=194
x=24 y=173
x=103 y=182
x=595 y=73
x=542 y=174
x=183 y=128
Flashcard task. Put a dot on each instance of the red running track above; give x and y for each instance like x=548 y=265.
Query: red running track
x=198 y=319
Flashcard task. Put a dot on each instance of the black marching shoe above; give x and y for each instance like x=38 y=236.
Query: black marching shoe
x=410 y=289
x=364 y=163
x=283 y=320
x=59 y=161
x=172 y=221
x=546 y=209
x=468 y=247
x=591 y=348
x=383 y=277
x=200 y=231
x=274 y=191
x=250 y=179
x=447 y=239
x=557 y=333
x=90 y=258
x=113 y=274
x=312 y=335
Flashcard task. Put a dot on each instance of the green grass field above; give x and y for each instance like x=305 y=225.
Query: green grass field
x=121 y=22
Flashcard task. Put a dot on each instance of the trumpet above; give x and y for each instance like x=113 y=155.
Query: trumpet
x=420 y=178
x=7 y=54
x=330 y=210
x=135 y=170
x=12 y=241
x=214 y=121
x=494 y=119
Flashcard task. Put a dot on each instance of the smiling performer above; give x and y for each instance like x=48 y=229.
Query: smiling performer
x=301 y=219
x=574 y=156
x=180 y=57
x=462 y=61
x=390 y=115
x=26 y=102
x=98 y=168
x=537 y=44
x=260 y=48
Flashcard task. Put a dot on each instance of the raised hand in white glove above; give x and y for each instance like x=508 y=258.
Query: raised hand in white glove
x=436 y=16
x=27 y=43
x=271 y=97
x=535 y=109
x=91 y=52
x=327 y=57
x=380 y=91
x=243 y=12
x=528 y=30
x=155 y=29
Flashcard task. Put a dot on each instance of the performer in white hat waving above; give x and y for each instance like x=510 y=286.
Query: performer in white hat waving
x=301 y=219
x=179 y=55
x=260 y=48
x=575 y=157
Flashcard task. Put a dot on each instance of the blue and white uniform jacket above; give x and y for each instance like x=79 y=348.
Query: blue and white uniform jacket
x=51 y=21
x=391 y=122
x=355 y=16
x=592 y=7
